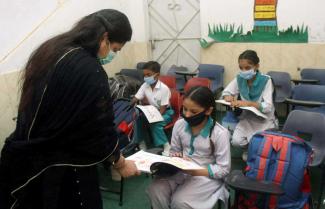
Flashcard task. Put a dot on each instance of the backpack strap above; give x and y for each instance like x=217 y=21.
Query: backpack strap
x=282 y=146
x=264 y=152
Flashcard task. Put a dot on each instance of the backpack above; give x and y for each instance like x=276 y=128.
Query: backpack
x=122 y=86
x=282 y=159
x=124 y=117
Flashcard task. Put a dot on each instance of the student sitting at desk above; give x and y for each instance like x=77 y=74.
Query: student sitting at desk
x=197 y=137
x=156 y=93
x=255 y=90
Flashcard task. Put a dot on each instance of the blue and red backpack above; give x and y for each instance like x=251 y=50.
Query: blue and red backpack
x=282 y=159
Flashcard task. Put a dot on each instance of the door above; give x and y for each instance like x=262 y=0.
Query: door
x=174 y=27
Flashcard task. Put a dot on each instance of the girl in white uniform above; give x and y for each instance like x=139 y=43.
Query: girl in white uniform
x=199 y=138
x=255 y=90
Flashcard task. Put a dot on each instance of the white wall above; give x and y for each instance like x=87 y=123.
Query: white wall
x=26 y=24
x=289 y=12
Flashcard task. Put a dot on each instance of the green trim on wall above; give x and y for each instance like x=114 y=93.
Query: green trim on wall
x=229 y=33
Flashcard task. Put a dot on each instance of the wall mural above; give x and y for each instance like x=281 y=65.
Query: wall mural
x=265 y=28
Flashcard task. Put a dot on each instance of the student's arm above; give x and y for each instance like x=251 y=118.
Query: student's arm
x=134 y=101
x=231 y=91
x=164 y=100
x=162 y=109
x=222 y=154
x=176 y=149
x=242 y=103
x=138 y=96
x=266 y=104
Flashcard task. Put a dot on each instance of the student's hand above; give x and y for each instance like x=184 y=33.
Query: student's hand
x=175 y=154
x=229 y=98
x=197 y=172
x=240 y=103
x=127 y=168
x=133 y=102
x=145 y=101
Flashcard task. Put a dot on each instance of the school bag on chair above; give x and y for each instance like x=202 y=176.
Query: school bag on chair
x=281 y=159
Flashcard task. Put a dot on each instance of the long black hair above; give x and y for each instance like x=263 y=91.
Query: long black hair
x=87 y=33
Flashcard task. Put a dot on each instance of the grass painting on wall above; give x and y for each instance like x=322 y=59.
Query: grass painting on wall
x=265 y=28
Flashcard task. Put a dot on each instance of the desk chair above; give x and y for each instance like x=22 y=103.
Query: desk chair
x=176 y=104
x=314 y=74
x=169 y=80
x=310 y=126
x=133 y=73
x=214 y=73
x=197 y=82
x=140 y=65
x=282 y=88
x=180 y=81
x=308 y=97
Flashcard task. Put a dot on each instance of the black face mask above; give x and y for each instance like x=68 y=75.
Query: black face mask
x=195 y=119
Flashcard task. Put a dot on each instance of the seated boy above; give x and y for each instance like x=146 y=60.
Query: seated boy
x=156 y=93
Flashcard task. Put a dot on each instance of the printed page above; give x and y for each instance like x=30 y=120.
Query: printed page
x=222 y=101
x=256 y=111
x=144 y=160
x=151 y=112
x=252 y=109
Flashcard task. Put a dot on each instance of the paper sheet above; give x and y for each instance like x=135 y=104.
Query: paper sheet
x=144 y=160
x=151 y=112
x=252 y=109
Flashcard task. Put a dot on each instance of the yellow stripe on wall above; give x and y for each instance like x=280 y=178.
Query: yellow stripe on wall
x=265 y=8
x=264 y=15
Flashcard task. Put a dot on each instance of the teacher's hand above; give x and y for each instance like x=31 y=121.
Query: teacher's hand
x=127 y=168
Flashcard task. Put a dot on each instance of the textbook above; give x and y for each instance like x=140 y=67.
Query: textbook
x=145 y=160
x=252 y=109
x=151 y=112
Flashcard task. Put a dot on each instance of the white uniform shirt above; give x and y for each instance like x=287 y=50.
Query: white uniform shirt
x=266 y=98
x=158 y=96
x=218 y=163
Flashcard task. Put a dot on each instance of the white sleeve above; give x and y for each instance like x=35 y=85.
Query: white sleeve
x=165 y=97
x=176 y=144
x=222 y=154
x=231 y=89
x=267 y=98
x=140 y=94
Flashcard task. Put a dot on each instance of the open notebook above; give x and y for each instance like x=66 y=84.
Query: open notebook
x=145 y=160
x=151 y=112
x=252 y=109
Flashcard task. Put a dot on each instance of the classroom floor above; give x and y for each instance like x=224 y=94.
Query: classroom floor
x=135 y=187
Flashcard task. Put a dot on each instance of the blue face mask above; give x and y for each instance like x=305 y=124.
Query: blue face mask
x=248 y=74
x=150 y=80
x=110 y=56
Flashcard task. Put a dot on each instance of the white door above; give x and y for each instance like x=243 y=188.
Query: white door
x=175 y=32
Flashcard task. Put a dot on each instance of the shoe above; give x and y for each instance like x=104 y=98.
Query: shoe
x=166 y=150
x=244 y=156
x=165 y=154
x=143 y=146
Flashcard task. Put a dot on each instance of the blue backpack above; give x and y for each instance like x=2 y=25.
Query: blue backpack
x=282 y=159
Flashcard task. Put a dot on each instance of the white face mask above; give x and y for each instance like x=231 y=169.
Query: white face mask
x=248 y=74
